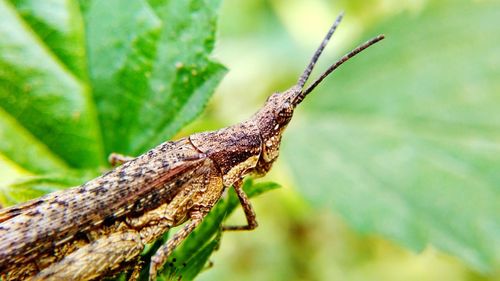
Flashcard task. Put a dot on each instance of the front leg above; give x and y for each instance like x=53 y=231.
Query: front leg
x=247 y=208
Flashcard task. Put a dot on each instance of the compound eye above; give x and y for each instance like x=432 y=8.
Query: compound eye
x=285 y=113
x=286 y=109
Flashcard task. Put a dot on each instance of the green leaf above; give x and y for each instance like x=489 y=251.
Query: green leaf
x=41 y=94
x=60 y=26
x=36 y=186
x=199 y=261
x=407 y=143
x=79 y=80
x=157 y=76
x=14 y=136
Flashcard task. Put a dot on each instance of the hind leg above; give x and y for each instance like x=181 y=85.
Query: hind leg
x=96 y=259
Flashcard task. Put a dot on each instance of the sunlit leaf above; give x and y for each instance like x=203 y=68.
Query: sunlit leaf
x=81 y=80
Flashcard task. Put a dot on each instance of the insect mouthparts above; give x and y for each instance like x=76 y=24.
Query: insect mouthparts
x=305 y=75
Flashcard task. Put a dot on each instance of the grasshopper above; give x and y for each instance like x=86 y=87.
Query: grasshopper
x=101 y=227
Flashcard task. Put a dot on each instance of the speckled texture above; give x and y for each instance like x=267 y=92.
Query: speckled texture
x=42 y=231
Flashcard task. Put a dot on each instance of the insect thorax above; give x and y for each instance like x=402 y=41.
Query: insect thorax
x=235 y=149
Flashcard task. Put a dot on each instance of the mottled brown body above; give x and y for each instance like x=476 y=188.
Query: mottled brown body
x=101 y=227
x=112 y=217
x=128 y=200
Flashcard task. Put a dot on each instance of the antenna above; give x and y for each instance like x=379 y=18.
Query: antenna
x=334 y=66
x=303 y=78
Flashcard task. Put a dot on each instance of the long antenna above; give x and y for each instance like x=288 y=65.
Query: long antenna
x=334 y=66
x=303 y=78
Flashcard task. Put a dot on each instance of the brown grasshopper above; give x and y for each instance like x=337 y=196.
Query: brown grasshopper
x=101 y=227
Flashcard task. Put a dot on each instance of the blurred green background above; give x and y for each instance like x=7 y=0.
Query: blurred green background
x=399 y=147
x=389 y=170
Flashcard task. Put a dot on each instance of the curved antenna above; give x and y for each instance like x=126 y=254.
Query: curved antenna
x=334 y=66
x=303 y=78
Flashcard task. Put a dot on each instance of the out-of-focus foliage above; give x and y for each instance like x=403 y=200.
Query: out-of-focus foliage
x=404 y=141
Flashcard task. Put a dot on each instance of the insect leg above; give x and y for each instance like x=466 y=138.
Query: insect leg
x=116 y=159
x=194 y=201
x=247 y=208
x=164 y=251
x=134 y=276
x=95 y=259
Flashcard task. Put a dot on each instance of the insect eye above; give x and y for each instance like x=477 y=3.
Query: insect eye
x=285 y=113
